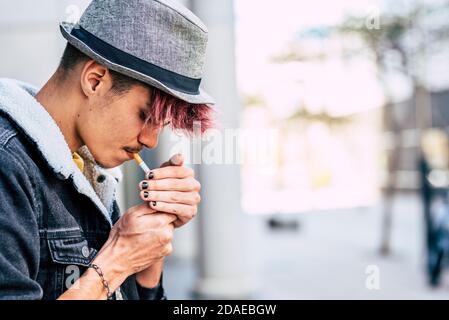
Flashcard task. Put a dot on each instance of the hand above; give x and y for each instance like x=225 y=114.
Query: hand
x=139 y=239
x=137 y=243
x=172 y=189
x=150 y=277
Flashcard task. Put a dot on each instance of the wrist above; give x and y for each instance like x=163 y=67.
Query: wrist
x=150 y=277
x=113 y=272
x=91 y=287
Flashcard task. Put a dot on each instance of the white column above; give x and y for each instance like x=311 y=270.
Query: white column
x=220 y=218
x=31 y=43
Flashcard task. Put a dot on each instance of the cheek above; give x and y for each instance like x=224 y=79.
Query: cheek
x=121 y=130
x=103 y=131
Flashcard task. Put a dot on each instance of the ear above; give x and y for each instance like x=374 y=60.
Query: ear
x=95 y=79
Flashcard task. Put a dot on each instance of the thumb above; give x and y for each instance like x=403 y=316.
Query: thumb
x=175 y=160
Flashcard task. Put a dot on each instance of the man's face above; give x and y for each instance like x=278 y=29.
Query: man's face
x=113 y=126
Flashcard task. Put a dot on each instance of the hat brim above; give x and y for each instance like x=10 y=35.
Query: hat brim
x=201 y=98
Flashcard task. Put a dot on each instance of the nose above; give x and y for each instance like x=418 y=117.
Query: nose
x=148 y=136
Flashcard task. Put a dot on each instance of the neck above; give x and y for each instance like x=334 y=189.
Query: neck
x=60 y=101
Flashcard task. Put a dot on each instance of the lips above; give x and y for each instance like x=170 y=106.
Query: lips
x=132 y=150
x=129 y=153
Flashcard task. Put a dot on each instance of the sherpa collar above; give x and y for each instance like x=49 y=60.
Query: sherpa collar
x=17 y=100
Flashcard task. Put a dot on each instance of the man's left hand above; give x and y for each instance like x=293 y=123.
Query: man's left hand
x=172 y=188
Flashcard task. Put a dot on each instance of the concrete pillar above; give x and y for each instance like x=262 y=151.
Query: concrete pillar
x=220 y=218
x=30 y=38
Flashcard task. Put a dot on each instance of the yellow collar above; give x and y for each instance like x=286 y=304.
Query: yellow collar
x=78 y=161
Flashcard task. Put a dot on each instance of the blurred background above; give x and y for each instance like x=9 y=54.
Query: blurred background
x=329 y=175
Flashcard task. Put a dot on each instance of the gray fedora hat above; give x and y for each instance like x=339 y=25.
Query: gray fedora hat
x=158 y=42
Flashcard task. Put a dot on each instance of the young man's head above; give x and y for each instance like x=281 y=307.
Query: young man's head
x=118 y=115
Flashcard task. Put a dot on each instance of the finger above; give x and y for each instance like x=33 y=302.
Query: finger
x=170 y=172
x=168 y=249
x=140 y=210
x=189 y=198
x=182 y=211
x=186 y=184
x=175 y=160
x=163 y=218
x=179 y=223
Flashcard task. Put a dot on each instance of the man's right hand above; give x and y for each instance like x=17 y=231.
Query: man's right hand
x=139 y=239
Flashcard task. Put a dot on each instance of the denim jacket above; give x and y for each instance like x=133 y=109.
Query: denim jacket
x=53 y=217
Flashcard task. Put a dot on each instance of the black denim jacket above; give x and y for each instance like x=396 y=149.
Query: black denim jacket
x=53 y=220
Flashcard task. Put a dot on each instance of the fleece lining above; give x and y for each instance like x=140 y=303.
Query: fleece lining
x=99 y=184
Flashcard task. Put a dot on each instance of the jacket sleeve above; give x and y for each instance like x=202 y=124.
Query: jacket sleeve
x=19 y=231
x=131 y=290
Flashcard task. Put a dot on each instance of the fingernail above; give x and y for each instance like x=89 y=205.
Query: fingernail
x=144 y=185
x=154 y=203
x=146 y=194
x=150 y=175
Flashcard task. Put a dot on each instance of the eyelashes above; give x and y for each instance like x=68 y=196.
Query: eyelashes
x=142 y=116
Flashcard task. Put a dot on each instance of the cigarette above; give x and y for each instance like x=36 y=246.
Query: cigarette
x=141 y=164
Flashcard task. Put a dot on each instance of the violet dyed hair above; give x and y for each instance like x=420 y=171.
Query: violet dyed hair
x=185 y=117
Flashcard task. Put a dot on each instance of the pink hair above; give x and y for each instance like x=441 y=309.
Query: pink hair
x=182 y=115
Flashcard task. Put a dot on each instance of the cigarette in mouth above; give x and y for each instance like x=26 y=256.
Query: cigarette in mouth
x=141 y=164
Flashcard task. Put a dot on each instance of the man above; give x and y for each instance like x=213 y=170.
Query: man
x=129 y=69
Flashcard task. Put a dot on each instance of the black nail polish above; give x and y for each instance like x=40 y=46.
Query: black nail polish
x=146 y=194
x=150 y=175
x=144 y=185
x=154 y=203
